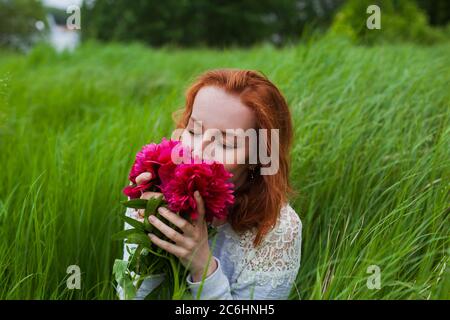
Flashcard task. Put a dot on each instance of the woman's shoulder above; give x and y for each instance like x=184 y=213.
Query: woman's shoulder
x=288 y=227
x=290 y=217
x=276 y=259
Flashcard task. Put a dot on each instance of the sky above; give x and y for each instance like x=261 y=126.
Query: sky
x=62 y=4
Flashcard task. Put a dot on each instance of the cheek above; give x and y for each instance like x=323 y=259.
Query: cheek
x=237 y=156
x=236 y=163
x=186 y=139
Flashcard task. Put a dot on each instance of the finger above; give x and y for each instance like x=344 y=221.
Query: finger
x=143 y=177
x=166 y=230
x=200 y=207
x=181 y=223
x=149 y=194
x=169 y=247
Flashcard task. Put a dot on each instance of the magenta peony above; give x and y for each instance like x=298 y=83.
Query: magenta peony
x=177 y=174
x=151 y=158
x=210 y=179
x=178 y=181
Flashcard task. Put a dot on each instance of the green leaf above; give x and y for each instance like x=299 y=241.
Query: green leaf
x=152 y=205
x=125 y=233
x=133 y=222
x=128 y=288
x=135 y=258
x=119 y=269
x=212 y=231
x=140 y=239
x=135 y=203
x=123 y=278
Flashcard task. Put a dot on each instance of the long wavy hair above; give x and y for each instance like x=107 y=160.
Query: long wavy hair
x=258 y=200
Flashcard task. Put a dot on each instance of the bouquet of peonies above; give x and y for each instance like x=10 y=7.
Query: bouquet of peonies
x=177 y=175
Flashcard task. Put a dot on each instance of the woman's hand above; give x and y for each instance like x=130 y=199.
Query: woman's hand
x=191 y=246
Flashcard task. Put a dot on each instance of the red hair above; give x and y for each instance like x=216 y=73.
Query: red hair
x=258 y=201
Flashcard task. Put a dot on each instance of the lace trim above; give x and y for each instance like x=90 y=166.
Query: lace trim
x=276 y=260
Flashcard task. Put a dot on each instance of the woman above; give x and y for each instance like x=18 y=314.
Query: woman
x=257 y=249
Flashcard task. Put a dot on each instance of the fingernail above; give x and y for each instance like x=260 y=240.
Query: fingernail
x=151 y=235
x=147 y=175
x=151 y=218
x=161 y=210
x=196 y=194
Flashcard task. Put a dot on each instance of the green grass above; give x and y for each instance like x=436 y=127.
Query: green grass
x=371 y=160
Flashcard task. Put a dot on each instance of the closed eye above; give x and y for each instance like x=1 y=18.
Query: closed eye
x=225 y=146
x=192 y=133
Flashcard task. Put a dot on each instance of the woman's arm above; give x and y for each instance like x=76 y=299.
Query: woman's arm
x=215 y=287
x=268 y=272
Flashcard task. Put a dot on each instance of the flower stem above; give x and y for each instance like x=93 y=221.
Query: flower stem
x=176 y=286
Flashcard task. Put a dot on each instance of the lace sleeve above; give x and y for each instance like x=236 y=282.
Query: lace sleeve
x=265 y=272
x=271 y=268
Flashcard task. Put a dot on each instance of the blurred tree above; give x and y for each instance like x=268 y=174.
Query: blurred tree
x=20 y=20
x=438 y=11
x=203 y=22
x=401 y=20
x=59 y=15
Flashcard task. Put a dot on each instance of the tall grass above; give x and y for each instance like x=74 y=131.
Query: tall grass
x=370 y=160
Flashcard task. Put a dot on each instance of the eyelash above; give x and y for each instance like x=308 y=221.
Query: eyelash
x=191 y=132
x=224 y=146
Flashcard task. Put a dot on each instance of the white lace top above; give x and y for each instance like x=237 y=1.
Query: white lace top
x=244 y=272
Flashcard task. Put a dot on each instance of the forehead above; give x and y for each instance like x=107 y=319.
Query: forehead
x=218 y=109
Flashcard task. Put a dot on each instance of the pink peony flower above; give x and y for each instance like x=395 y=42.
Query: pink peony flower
x=210 y=179
x=151 y=158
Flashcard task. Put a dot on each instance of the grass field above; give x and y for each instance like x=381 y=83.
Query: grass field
x=371 y=160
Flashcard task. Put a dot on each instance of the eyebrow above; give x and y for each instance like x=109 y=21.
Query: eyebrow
x=222 y=131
